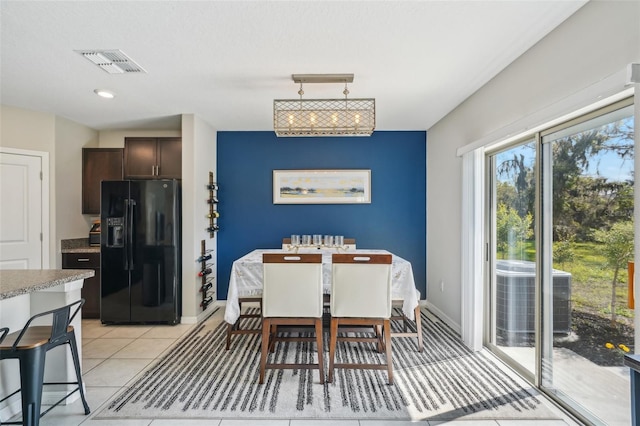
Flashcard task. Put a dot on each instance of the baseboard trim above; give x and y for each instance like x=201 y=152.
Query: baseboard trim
x=204 y=314
x=451 y=323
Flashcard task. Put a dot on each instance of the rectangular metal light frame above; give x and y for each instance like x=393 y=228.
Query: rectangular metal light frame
x=324 y=117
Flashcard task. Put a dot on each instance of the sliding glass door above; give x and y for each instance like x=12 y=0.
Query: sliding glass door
x=560 y=249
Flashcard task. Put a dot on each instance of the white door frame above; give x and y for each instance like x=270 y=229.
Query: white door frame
x=46 y=230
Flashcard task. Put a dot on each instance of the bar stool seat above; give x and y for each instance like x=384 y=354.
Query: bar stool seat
x=30 y=346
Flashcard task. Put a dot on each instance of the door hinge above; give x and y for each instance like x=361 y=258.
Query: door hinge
x=41 y=236
x=41 y=177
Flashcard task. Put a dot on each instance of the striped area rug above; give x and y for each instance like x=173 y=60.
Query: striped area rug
x=198 y=378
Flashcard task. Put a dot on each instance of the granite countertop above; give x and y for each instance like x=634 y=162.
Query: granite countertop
x=15 y=282
x=78 y=245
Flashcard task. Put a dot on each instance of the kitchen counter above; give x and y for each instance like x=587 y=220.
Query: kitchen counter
x=27 y=292
x=78 y=245
x=15 y=282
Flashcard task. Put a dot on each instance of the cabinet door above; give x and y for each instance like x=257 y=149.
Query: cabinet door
x=91 y=288
x=170 y=158
x=91 y=294
x=139 y=158
x=98 y=164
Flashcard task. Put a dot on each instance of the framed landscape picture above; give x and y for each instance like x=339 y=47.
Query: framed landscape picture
x=321 y=186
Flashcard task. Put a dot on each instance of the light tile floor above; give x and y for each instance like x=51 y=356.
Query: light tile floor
x=112 y=356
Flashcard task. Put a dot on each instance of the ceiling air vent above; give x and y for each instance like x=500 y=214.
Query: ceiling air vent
x=112 y=61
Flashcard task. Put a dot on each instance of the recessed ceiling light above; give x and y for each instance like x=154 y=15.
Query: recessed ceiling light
x=104 y=93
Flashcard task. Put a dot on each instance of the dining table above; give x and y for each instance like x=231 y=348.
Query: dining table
x=246 y=277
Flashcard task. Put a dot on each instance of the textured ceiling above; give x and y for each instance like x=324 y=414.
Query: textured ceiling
x=226 y=61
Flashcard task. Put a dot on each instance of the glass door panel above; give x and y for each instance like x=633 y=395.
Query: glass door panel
x=513 y=272
x=587 y=235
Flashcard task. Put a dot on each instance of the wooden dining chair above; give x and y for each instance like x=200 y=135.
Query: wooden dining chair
x=244 y=323
x=291 y=296
x=361 y=296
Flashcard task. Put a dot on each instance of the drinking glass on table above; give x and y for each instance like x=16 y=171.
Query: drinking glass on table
x=317 y=240
x=295 y=240
x=328 y=240
x=339 y=239
x=306 y=240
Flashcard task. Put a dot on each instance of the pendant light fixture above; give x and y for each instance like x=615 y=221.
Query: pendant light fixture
x=324 y=117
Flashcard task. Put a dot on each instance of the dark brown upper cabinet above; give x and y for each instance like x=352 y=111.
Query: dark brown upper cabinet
x=98 y=164
x=153 y=158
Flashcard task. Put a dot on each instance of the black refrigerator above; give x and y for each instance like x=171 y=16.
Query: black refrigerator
x=140 y=253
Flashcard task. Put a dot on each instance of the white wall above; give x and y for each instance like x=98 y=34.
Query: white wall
x=198 y=159
x=24 y=129
x=564 y=71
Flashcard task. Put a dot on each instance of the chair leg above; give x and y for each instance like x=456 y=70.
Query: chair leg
x=76 y=364
x=380 y=336
x=266 y=328
x=320 y=349
x=31 y=379
x=272 y=337
x=229 y=329
x=387 y=337
x=418 y=327
x=332 y=346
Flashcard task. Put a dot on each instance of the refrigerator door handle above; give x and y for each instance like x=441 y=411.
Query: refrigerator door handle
x=132 y=207
x=126 y=234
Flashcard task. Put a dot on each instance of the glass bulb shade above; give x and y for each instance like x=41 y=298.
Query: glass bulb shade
x=324 y=117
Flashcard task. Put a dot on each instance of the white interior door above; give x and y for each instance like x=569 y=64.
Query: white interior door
x=21 y=245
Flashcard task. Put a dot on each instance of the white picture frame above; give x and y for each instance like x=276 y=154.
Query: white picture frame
x=322 y=186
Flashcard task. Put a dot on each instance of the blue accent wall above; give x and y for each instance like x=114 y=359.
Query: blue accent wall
x=395 y=220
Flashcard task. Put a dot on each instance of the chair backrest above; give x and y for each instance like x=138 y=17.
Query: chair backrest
x=60 y=320
x=349 y=243
x=3 y=333
x=361 y=285
x=292 y=285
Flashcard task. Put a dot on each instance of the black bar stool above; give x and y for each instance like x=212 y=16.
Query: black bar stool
x=30 y=347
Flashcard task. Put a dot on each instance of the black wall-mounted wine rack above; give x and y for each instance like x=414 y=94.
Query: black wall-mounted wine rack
x=213 y=206
x=205 y=274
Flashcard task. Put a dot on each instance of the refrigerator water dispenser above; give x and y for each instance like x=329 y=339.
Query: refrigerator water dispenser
x=115 y=232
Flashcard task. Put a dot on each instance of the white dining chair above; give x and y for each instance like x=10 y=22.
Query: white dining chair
x=248 y=321
x=361 y=296
x=409 y=328
x=291 y=296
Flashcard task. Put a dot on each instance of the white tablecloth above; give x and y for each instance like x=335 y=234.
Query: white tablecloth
x=246 y=279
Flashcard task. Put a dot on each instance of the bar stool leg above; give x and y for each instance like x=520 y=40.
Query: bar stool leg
x=31 y=379
x=76 y=364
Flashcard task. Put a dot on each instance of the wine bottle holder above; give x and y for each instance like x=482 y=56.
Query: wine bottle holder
x=205 y=274
x=212 y=201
